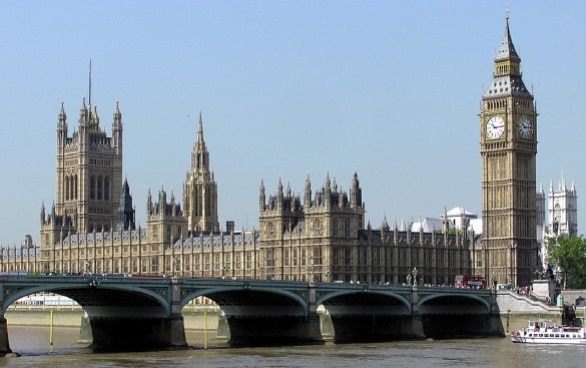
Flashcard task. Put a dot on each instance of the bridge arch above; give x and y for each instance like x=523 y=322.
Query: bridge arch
x=88 y=296
x=119 y=313
x=368 y=296
x=226 y=296
x=460 y=299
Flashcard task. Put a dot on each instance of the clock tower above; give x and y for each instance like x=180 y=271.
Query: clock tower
x=508 y=147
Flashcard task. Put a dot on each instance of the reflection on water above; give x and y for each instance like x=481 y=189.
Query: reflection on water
x=33 y=344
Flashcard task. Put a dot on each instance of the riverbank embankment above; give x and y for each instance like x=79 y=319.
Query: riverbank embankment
x=194 y=318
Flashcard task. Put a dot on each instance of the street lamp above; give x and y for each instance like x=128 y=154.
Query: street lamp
x=414 y=272
x=175 y=266
x=311 y=268
x=493 y=281
x=225 y=270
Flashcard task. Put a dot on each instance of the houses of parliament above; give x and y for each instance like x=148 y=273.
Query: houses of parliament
x=320 y=235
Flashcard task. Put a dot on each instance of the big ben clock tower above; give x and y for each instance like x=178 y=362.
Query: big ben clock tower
x=508 y=146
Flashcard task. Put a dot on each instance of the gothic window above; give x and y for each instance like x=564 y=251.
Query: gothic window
x=347 y=257
x=72 y=187
x=92 y=187
x=317 y=256
x=346 y=228
x=216 y=262
x=67 y=188
x=335 y=255
x=196 y=262
x=335 y=228
x=270 y=258
x=207 y=262
x=100 y=188
x=106 y=188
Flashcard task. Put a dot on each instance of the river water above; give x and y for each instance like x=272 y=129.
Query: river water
x=33 y=345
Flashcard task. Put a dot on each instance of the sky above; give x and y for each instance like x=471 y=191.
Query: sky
x=287 y=89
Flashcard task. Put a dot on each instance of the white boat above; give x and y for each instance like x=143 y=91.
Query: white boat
x=544 y=332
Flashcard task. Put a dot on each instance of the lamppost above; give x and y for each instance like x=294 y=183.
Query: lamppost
x=493 y=281
x=175 y=266
x=225 y=270
x=311 y=268
x=414 y=272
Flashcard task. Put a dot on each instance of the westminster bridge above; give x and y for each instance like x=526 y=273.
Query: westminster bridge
x=145 y=312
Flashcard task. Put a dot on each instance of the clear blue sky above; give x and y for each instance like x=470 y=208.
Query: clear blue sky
x=389 y=89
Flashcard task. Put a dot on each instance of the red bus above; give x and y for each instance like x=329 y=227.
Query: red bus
x=470 y=282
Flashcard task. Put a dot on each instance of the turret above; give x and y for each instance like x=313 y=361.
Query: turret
x=327 y=191
x=262 y=197
x=61 y=127
x=355 y=192
x=280 y=196
x=307 y=193
x=117 y=130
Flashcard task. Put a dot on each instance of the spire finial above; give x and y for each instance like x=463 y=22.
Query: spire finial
x=507 y=12
x=90 y=84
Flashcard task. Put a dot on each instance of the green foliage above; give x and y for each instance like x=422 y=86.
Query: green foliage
x=569 y=253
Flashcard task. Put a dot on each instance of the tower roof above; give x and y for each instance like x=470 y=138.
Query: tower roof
x=507 y=76
x=507 y=50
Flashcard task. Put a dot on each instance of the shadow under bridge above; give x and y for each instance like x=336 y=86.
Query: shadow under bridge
x=457 y=313
x=365 y=314
x=260 y=312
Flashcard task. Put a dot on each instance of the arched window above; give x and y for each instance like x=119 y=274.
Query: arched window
x=100 y=188
x=75 y=187
x=67 y=188
x=107 y=188
x=92 y=187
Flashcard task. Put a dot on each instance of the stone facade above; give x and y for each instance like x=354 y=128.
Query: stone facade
x=321 y=236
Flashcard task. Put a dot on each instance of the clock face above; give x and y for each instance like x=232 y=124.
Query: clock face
x=525 y=127
x=495 y=127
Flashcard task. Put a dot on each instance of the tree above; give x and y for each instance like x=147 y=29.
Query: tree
x=569 y=253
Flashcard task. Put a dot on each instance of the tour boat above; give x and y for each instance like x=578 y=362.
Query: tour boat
x=543 y=332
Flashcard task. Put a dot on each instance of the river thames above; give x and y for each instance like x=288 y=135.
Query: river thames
x=33 y=345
